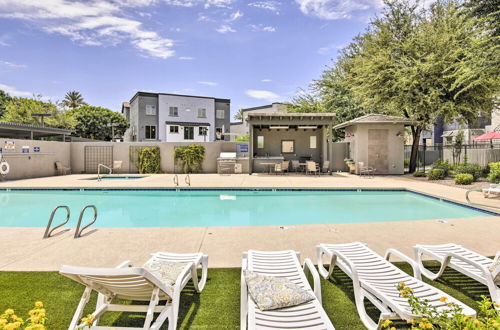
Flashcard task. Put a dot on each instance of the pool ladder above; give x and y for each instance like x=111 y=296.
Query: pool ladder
x=187 y=180
x=79 y=228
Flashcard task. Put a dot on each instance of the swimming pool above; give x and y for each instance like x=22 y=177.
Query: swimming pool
x=192 y=208
x=119 y=177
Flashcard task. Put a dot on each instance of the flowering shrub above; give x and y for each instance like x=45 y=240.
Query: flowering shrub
x=464 y=178
x=35 y=321
x=451 y=319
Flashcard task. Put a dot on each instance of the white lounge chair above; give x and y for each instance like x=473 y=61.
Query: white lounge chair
x=138 y=284
x=376 y=279
x=310 y=315
x=492 y=191
x=365 y=170
x=463 y=260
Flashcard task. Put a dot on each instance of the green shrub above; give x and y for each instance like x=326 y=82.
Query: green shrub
x=149 y=160
x=436 y=174
x=467 y=168
x=443 y=165
x=464 y=178
x=494 y=175
x=419 y=174
x=190 y=157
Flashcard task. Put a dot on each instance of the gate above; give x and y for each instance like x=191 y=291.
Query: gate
x=95 y=155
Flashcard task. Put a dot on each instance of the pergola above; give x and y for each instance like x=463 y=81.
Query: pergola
x=31 y=132
x=275 y=137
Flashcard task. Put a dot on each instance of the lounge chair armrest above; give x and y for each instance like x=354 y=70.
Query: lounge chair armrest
x=401 y=255
x=309 y=268
x=190 y=267
x=497 y=256
x=470 y=262
x=125 y=264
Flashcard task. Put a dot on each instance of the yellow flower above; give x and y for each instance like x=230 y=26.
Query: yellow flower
x=443 y=299
x=39 y=304
x=9 y=311
x=386 y=323
x=3 y=322
x=425 y=325
x=477 y=322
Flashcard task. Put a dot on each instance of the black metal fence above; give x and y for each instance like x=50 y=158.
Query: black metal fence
x=481 y=154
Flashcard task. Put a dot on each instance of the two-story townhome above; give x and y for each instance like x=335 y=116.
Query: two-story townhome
x=176 y=118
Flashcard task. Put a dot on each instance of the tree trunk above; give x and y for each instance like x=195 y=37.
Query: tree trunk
x=416 y=131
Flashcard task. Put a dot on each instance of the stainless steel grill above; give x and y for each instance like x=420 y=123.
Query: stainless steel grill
x=226 y=162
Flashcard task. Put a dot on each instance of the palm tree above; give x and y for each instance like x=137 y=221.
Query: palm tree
x=239 y=115
x=73 y=99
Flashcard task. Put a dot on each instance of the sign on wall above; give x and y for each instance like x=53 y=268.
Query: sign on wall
x=36 y=149
x=242 y=147
x=25 y=149
x=10 y=145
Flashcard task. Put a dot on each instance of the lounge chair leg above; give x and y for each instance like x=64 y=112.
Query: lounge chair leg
x=433 y=276
x=79 y=310
x=321 y=268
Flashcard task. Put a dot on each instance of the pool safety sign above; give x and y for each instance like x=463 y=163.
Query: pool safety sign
x=242 y=147
x=36 y=149
x=25 y=149
x=10 y=145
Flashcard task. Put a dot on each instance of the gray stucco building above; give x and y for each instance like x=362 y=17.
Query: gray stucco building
x=176 y=118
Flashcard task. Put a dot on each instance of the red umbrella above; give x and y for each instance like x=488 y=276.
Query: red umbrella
x=488 y=136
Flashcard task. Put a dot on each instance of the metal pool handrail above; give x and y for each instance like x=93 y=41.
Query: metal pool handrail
x=99 y=171
x=478 y=204
x=78 y=232
x=48 y=230
x=176 y=180
x=187 y=179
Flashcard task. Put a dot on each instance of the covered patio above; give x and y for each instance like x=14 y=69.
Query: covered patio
x=293 y=138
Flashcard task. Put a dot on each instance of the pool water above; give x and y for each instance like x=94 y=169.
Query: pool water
x=185 y=208
x=113 y=178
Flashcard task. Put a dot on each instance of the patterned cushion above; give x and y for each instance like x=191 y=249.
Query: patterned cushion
x=165 y=271
x=495 y=270
x=269 y=292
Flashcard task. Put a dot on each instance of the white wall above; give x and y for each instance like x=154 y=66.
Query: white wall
x=183 y=103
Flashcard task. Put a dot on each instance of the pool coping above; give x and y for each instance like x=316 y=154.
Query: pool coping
x=484 y=209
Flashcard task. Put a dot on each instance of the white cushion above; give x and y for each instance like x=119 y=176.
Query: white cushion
x=165 y=271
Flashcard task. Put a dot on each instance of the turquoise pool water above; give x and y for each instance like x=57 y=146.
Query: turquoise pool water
x=113 y=178
x=142 y=208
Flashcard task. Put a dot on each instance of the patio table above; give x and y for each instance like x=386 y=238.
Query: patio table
x=268 y=166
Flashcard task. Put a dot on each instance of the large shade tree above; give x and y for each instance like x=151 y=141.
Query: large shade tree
x=21 y=110
x=98 y=123
x=73 y=100
x=4 y=99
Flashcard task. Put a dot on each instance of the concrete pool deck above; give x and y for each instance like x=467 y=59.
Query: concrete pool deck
x=24 y=248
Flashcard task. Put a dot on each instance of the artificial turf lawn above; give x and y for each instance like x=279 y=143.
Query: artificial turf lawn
x=217 y=307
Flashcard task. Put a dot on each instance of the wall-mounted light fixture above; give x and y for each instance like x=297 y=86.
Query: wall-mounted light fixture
x=307 y=127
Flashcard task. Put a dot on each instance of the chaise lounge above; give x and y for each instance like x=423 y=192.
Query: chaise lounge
x=162 y=278
x=471 y=264
x=376 y=279
x=282 y=264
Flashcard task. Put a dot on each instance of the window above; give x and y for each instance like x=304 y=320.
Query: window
x=188 y=133
x=220 y=114
x=312 y=142
x=150 y=132
x=173 y=112
x=202 y=131
x=260 y=142
x=218 y=133
x=202 y=113
x=150 y=109
x=287 y=146
x=174 y=129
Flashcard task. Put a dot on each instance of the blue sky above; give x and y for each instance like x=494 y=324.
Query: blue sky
x=253 y=52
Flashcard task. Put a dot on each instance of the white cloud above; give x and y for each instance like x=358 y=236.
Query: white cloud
x=225 y=29
x=262 y=95
x=208 y=83
x=12 y=65
x=262 y=28
x=337 y=9
x=234 y=16
x=14 y=91
x=186 y=58
x=267 y=5
x=328 y=50
x=266 y=80
x=92 y=23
